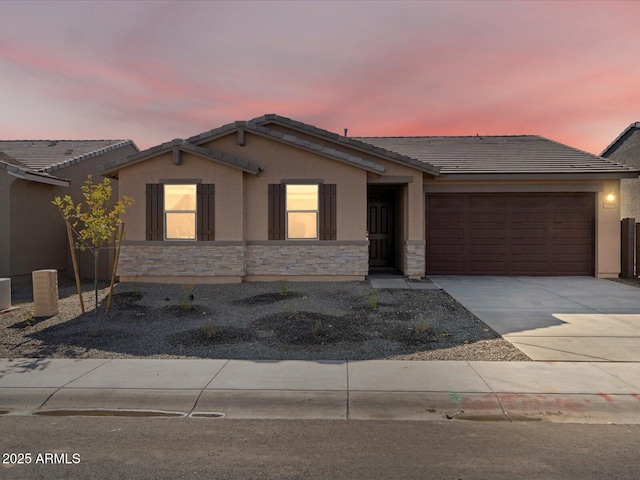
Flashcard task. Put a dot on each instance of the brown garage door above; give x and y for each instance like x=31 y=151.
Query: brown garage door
x=510 y=234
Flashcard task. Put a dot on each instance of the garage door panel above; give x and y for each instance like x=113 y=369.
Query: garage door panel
x=511 y=234
x=445 y=218
x=565 y=218
x=488 y=203
x=488 y=217
x=446 y=249
x=447 y=234
x=541 y=249
x=487 y=233
x=570 y=268
x=569 y=234
x=571 y=202
x=484 y=267
x=485 y=249
x=529 y=203
x=530 y=218
x=569 y=250
x=525 y=233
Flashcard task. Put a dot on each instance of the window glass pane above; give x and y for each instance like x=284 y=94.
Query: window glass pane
x=179 y=197
x=302 y=225
x=181 y=226
x=302 y=197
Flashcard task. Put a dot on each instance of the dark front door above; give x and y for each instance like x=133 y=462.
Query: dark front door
x=381 y=227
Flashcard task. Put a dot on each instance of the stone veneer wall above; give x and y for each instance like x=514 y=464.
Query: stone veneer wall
x=199 y=260
x=414 y=254
x=207 y=259
x=307 y=259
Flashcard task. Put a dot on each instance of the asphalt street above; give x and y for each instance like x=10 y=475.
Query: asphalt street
x=185 y=448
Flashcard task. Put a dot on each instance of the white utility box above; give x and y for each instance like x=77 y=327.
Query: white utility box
x=45 y=293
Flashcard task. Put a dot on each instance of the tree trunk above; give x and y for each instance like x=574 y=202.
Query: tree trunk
x=96 y=252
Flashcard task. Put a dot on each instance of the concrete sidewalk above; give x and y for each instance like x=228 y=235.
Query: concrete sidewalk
x=357 y=390
x=555 y=318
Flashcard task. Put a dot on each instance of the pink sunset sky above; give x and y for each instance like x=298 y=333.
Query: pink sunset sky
x=154 y=71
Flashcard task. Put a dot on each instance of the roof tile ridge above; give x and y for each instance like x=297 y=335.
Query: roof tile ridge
x=593 y=155
x=85 y=156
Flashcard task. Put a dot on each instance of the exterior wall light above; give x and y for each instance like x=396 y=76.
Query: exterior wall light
x=610 y=201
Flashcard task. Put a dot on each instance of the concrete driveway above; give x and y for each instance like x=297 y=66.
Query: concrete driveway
x=555 y=318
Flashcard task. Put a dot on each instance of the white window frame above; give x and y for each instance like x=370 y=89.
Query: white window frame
x=316 y=211
x=194 y=212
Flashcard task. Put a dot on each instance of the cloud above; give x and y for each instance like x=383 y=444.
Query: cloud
x=153 y=71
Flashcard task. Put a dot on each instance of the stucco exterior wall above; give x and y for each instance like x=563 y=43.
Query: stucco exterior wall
x=280 y=162
x=628 y=153
x=5 y=222
x=35 y=235
x=228 y=183
x=608 y=231
x=38 y=233
x=77 y=173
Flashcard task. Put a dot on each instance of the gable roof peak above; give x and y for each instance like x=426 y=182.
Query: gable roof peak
x=612 y=146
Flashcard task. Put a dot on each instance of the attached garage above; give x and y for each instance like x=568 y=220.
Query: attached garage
x=510 y=234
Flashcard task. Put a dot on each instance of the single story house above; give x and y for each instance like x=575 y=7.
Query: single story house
x=274 y=198
x=625 y=149
x=33 y=235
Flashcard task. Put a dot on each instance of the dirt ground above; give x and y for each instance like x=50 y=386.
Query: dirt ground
x=273 y=320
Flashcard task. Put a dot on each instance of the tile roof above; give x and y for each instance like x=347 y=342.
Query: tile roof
x=112 y=168
x=46 y=156
x=289 y=139
x=525 y=154
x=355 y=143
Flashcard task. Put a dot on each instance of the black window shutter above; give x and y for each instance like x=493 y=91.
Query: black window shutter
x=327 y=200
x=277 y=199
x=205 y=211
x=155 y=211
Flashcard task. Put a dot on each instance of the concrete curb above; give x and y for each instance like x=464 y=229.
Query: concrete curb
x=566 y=392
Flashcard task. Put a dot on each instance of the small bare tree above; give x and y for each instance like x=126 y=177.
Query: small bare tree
x=94 y=225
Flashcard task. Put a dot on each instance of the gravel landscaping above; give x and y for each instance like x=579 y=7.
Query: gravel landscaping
x=256 y=321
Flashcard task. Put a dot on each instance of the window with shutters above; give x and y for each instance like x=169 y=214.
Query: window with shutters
x=180 y=212
x=302 y=211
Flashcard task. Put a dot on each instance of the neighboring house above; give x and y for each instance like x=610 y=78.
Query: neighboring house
x=274 y=198
x=32 y=172
x=625 y=149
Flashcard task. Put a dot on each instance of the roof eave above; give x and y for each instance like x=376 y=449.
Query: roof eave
x=112 y=169
x=39 y=178
x=265 y=132
x=538 y=176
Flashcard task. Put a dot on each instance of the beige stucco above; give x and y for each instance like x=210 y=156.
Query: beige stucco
x=228 y=183
x=608 y=241
x=279 y=162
